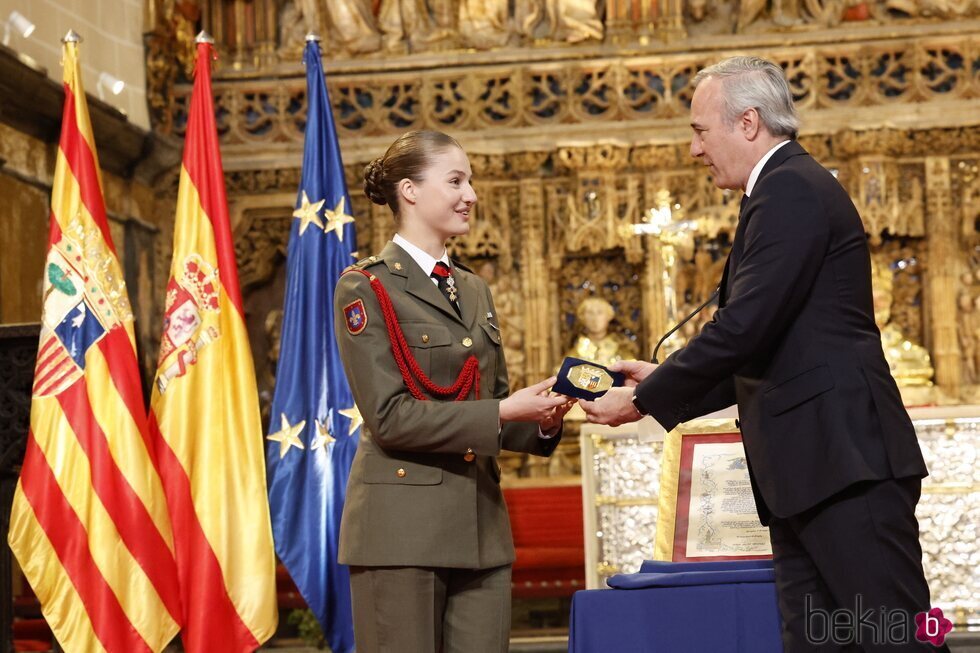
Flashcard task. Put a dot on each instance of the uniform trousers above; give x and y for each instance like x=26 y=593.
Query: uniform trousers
x=856 y=552
x=431 y=609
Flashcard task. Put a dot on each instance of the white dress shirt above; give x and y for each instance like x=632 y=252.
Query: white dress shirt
x=422 y=257
x=757 y=170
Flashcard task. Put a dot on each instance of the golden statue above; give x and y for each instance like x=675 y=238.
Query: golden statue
x=596 y=344
x=909 y=362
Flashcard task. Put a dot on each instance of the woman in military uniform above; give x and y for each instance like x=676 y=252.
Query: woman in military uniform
x=425 y=529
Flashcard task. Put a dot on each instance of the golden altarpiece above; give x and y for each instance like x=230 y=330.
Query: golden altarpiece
x=574 y=114
x=575 y=121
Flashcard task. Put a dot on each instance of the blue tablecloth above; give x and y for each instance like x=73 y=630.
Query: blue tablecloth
x=688 y=607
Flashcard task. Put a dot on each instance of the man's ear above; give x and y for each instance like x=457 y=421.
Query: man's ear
x=407 y=190
x=750 y=124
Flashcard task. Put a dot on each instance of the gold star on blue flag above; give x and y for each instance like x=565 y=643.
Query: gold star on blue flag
x=287 y=436
x=337 y=219
x=322 y=437
x=307 y=213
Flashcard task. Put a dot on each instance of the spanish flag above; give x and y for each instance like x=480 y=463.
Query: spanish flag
x=205 y=410
x=89 y=523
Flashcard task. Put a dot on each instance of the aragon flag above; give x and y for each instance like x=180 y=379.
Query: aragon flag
x=89 y=523
x=205 y=410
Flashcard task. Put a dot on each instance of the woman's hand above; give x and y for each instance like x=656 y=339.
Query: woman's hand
x=532 y=404
x=550 y=425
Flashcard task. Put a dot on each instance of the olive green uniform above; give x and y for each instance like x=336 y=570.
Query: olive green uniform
x=424 y=488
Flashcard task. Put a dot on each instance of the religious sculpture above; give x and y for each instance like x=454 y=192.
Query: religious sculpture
x=968 y=334
x=940 y=8
x=297 y=18
x=414 y=25
x=352 y=26
x=571 y=21
x=484 y=24
x=597 y=344
x=909 y=362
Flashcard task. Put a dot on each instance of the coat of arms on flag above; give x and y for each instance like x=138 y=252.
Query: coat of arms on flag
x=83 y=301
x=89 y=522
x=190 y=300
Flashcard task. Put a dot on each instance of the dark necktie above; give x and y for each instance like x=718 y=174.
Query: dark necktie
x=447 y=285
x=723 y=286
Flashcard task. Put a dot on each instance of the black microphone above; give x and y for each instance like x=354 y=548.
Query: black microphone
x=687 y=319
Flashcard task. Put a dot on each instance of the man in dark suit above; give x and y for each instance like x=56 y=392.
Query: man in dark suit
x=834 y=461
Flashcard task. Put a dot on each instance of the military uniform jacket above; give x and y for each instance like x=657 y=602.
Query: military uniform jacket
x=412 y=498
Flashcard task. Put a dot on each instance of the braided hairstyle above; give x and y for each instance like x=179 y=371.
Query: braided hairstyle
x=406 y=158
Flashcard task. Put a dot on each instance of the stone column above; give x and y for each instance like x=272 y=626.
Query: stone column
x=540 y=300
x=941 y=227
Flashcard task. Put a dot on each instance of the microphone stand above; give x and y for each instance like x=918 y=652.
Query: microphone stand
x=687 y=319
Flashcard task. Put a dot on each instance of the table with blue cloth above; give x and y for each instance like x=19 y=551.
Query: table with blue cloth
x=714 y=607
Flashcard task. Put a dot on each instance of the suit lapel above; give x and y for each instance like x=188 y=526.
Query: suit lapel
x=792 y=148
x=778 y=157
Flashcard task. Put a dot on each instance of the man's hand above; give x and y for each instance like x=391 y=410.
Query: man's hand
x=635 y=371
x=613 y=408
x=532 y=404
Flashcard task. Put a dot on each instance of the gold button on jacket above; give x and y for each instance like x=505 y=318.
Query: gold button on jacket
x=412 y=473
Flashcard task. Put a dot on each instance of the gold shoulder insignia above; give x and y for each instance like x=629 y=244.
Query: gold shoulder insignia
x=363 y=264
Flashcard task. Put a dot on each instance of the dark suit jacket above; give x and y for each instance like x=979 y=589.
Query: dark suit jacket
x=794 y=343
x=413 y=498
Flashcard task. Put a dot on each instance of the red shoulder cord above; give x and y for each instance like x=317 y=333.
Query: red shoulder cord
x=469 y=376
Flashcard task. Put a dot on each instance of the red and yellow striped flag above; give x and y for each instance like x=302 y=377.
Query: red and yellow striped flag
x=89 y=524
x=205 y=408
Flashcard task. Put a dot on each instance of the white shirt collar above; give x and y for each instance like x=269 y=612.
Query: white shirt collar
x=420 y=256
x=757 y=170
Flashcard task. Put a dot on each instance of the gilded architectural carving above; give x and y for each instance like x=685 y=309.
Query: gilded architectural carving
x=575 y=122
x=262 y=236
x=561 y=92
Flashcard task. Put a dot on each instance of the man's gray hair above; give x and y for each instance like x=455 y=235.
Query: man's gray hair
x=755 y=83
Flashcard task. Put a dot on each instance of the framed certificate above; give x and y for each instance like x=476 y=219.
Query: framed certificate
x=706 y=507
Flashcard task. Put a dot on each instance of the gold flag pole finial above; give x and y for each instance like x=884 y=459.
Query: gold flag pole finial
x=204 y=37
x=313 y=36
x=71 y=37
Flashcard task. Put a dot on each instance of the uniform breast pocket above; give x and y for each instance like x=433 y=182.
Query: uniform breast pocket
x=493 y=350
x=425 y=339
x=493 y=333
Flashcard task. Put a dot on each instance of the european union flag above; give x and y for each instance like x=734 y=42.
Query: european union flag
x=313 y=434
